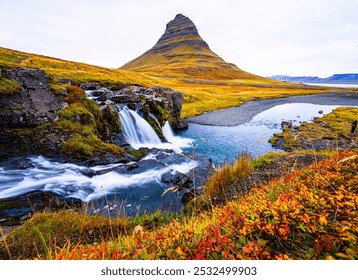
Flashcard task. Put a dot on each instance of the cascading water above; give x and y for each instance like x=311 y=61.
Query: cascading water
x=137 y=132
x=176 y=141
x=131 y=185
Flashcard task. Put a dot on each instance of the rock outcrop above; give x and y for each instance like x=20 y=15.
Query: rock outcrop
x=17 y=209
x=34 y=104
x=164 y=103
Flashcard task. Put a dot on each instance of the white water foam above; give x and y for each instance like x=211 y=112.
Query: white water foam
x=69 y=181
x=139 y=134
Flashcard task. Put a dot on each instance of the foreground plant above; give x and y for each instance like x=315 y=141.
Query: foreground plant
x=308 y=214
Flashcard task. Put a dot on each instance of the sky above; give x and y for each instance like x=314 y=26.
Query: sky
x=264 y=37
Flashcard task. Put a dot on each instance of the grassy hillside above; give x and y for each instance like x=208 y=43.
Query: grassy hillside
x=200 y=95
x=77 y=72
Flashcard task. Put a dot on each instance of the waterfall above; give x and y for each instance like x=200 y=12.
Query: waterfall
x=175 y=140
x=137 y=132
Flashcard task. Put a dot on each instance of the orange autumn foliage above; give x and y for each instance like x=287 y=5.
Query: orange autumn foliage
x=308 y=214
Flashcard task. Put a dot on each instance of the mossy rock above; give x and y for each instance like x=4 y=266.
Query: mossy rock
x=88 y=125
x=8 y=87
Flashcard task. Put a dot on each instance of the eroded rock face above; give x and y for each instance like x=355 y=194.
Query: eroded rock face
x=162 y=102
x=34 y=105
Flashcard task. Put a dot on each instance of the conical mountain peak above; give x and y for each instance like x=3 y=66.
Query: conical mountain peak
x=179 y=31
x=181 y=52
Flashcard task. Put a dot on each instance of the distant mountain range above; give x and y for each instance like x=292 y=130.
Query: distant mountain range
x=335 y=79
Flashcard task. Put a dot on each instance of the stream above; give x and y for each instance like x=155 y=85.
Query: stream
x=141 y=187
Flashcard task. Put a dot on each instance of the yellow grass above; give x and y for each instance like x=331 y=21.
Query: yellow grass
x=202 y=92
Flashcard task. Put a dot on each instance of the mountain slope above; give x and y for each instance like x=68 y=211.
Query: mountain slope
x=182 y=52
x=75 y=71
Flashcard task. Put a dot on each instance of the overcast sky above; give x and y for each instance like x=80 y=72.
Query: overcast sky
x=265 y=37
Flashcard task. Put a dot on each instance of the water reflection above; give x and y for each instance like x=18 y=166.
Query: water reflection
x=222 y=143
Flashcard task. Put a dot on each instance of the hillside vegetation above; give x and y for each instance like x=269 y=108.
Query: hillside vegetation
x=200 y=95
x=306 y=214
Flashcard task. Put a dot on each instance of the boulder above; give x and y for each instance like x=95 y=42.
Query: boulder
x=286 y=124
x=34 y=105
x=126 y=98
x=90 y=86
x=20 y=208
x=176 y=179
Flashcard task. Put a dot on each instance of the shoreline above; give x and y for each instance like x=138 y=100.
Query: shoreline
x=244 y=113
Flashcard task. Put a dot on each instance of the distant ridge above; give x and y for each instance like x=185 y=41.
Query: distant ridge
x=336 y=78
x=181 y=51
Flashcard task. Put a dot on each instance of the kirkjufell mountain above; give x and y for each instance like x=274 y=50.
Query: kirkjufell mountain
x=181 y=52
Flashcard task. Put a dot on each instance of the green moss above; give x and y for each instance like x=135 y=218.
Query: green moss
x=155 y=126
x=84 y=121
x=331 y=126
x=265 y=159
x=163 y=115
x=138 y=154
x=8 y=87
x=57 y=89
x=17 y=107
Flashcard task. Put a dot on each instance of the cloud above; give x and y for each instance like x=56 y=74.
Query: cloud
x=316 y=37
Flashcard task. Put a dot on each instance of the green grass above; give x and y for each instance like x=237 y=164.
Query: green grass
x=334 y=125
x=8 y=87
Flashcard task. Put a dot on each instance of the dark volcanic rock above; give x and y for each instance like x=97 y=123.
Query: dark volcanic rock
x=34 y=105
x=126 y=98
x=17 y=209
x=176 y=178
x=169 y=100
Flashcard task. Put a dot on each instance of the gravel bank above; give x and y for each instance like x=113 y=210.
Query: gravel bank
x=244 y=113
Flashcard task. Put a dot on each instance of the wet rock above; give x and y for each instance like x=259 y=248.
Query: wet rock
x=146 y=165
x=286 y=124
x=101 y=158
x=126 y=169
x=108 y=104
x=176 y=178
x=119 y=140
x=100 y=91
x=320 y=112
x=16 y=209
x=88 y=172
x=169 y=159
x=126 y=98
x=90 y=86
x=65 y=81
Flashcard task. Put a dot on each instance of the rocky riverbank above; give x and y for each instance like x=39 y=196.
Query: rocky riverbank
x=332 y=131
x=80 y=124
x=35 y=119
x=244 y=113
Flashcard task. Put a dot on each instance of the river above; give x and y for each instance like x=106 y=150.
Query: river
x=140 y=187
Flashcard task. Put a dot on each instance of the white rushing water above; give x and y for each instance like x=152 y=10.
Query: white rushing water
x=147 y=178
x=136 y=130
x=69 y=180
x=139 y=134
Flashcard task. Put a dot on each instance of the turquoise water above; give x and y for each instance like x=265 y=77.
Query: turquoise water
x=224 y=143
